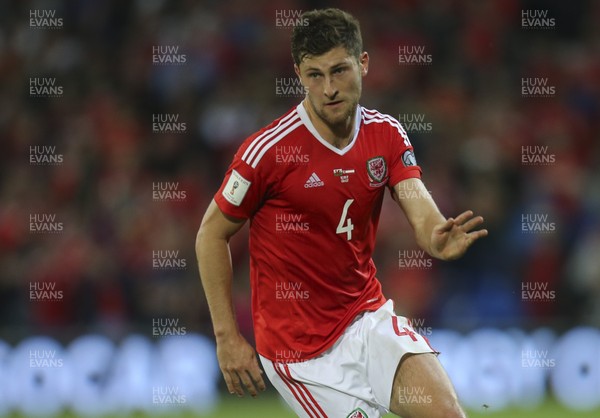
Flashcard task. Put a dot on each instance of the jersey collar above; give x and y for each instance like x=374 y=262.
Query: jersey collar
x=311 y=128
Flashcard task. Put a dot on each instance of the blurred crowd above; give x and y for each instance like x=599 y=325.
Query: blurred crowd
x=235 y=51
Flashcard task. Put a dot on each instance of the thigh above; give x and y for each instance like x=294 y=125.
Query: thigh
x=422 y=389
x=389 y=339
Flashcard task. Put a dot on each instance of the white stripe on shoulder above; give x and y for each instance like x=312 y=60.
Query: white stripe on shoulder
x=376 y=117
x=259 y=141
x=380 y=117
x=264 y=148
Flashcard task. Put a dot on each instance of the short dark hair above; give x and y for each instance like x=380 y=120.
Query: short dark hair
x=324 y=30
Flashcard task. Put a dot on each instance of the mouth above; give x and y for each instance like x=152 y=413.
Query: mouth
x=333 y=104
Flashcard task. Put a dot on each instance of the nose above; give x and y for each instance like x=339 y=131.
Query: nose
x=330 y=89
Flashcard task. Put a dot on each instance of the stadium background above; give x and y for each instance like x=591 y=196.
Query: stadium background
x=233 y=61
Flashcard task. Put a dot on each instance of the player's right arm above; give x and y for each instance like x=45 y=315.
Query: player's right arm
x=237 y=358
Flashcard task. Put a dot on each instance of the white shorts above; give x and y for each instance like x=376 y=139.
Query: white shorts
x=353 y=377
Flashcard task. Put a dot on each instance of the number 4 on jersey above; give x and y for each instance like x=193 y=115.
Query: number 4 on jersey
x=341 y=228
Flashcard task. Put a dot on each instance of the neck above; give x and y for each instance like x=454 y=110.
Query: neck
x=340 y=134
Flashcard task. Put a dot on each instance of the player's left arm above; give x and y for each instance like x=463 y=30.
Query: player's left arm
x=446 y=239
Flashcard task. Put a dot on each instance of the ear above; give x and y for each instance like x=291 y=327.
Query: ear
x=363 y=61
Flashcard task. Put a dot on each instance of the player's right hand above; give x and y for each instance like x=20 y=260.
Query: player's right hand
x=238 y=363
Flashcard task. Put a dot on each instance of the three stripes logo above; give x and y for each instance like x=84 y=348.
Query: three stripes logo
x=313 y=181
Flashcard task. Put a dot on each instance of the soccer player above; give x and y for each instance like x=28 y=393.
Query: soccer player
x=312 y=184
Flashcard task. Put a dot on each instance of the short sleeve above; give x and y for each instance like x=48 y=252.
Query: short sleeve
x=403 y=163
x=242 y=190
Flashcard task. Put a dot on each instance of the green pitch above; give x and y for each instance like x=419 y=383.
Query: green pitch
x=269 y=406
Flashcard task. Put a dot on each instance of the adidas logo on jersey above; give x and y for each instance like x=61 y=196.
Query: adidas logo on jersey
x=313 y=181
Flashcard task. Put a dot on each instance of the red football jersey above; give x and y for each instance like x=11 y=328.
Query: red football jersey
x=314 y=211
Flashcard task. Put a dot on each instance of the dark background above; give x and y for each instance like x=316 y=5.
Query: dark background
x=226 y=90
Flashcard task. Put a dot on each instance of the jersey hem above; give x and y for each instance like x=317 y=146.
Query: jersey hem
x=412 y=173
x=327 y=346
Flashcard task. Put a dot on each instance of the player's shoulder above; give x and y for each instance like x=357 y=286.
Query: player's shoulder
x=256 y=146
x=374 y=119
x=380 y=125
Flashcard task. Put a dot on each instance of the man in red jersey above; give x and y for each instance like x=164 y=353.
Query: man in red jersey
x=312 y=183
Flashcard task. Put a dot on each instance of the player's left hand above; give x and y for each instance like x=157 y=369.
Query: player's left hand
x=451 y=239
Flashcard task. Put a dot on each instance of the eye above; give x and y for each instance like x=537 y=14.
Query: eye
x=313 y=75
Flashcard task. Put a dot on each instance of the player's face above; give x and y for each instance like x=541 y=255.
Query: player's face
x=334 y=84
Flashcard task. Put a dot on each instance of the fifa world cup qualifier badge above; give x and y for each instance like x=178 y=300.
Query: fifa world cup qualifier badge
x=408 y=158
x=377 y=170
x=236 y=188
